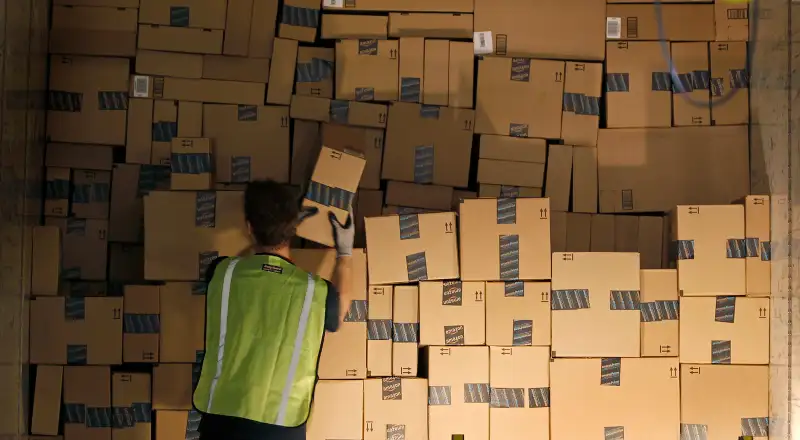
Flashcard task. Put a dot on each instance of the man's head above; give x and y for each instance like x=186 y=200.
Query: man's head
x=272 y=212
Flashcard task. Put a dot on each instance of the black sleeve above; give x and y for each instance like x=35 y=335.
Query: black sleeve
x=212 y=267
x=332 y=307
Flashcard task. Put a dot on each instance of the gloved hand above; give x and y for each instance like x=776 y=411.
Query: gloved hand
x=306 y=212
x=343 y=234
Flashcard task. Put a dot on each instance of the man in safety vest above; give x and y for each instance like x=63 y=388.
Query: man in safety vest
x=265 y=321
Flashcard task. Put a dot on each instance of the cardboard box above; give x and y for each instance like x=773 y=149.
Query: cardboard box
x=173 y=385
x=461 y=79
x=490 y=190
x=366 y=70
x=91 y=191
x=47 y=399
x=130 y=397
x=584 y=179
x=411 y=69
x=69 y=331
x=87 y=393
x=379 y=331
x=98 y=31
x=337 y=410
x=197 y=90
x=580 y=116
x=660 y=310
x=501 y=81
x=430 y=25
x=517 y=313
x=512 y=161
x=152 y=124
x=236 y=68
x=395 y=408
x=346 y=26
x=452 y=313
x=711 y=402
x=131 y=183
x=174 y=424
x=237 y=132
x=180 y=39
x=732 y=21
x=46 y=256
x=519 y=382
x=369 y=203
x=186 y=230
x=300 y=20
x=595 y=305
x=179 y=65
x=638 y=92
x=88 y=102
x=413 y=247
x=693 y=22
x=361 y=114
x=637 y=398
x=729 y=75
x=710 y=249
x=610 y=233
x=437 y=77
x=458 y=392
x=314 y=71
x=505 y=239
x=191 y=164
x=367 y=141
x=413 y=195
x=332 y=188
x=202 y=14
x=250 y=28
x=141 y=325
x=406 y=336
x=84 y=247
x=182 y=313
x=559 y=176
x=86 y=157
x=758 y=245
x=344 y=352
x=428 y=144
x=690 y=97
x=57 y=191
x=535 y=29
x=724 y=330
x=402 y=5
x=282 y=72
x=683 y=159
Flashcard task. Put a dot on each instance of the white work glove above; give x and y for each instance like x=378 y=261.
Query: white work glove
x=343 y=234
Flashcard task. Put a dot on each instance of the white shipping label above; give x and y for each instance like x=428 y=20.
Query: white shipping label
x=483 y=42
x=141 y=86
x=614 y=27
x=332 y=3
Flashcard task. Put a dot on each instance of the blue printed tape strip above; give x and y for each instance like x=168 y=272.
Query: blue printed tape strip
x=684 y=249
x=736 y=248
x=663 y=310
x=316 y=70
x=694 y=431
x=190 y=163
x=75 y=309
x=624 y=300
x=614 y=433
x=57 y=189
x=339 y=111
x=417 y=267
x=246 y=113
x=141 y=323
x=581 y=104
x=725 y=309
x=74 y=413
x=539 y=397
x=205 y=209
x=409 y=226
x=357 y=311
x=204 y=261
x=509 y=257
x=514 y=288
x=410 y=89
x=405 y=331
x=610 y=371
x=164 y=131
x=755 y=426
x=98 y=417
x=506 y=211
x=569 y=299
x=439 y=395
x=423 y=164
x=766 y=251
x=153 y=177
x=179 y=16
x=193 y=425
x=661 y=82
x=452 y=293
x=720 y=352
x=240 y=169
x=523 y=332
x=379 y=329
x=329 y=196
x=618 y=82
x=62 y=101
x=299 y=16
x=454 y=335
x=112 y=100
x=751 y=246
x=476 y=393
x=507 y=398
x=429 y=111
x=76 y=227
x=77 y=354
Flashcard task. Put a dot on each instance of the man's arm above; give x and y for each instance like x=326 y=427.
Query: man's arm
x=343 y=280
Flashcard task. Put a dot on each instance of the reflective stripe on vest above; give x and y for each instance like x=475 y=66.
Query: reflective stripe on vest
x=223 y=326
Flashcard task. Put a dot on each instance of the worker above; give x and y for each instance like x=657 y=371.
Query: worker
x=265 y=320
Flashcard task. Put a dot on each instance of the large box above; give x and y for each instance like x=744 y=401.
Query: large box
x=379 y=331
x=559 y=176
x=84 y=247
x=759 y=248
x=141 y=324
x=660 y=310
x=428 y=144
x=98 y=31
x=519 y=380
x=595 y=304
x=458 y=393
x=710 y=249
x=367 y=69
x=452 y=313
x=412 y=247
x=502 y=81
x=332 y=188
x=46 y=408
x=182 y=310
x=638 y=92
x=511 y=161
x=344 y=352
x=505 y=239
x=712 y=406
x=517 y=313
x=337 y=410
x=635 y=398
x=88 y=100
x=406 y=337
x=87 y=401
x=131 y=398
x=724 y=330
x=395 y=408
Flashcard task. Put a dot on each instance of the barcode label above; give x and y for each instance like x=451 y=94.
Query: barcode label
x=333 y=3
x=483 y=42
x=613 y=27
x=141 y=86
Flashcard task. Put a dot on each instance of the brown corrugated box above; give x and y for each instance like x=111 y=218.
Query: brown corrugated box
x=366 y=70
x=501 y=81
x=452 y=313
x=584 y=179
x=379 y=331
x=198 y=90
x=426 y=144
x=411 y=69
x=400 y=5
x=461 y=71
x=638 y=92
x=182 y=309
x=282 y=71
x=413 y=195
x=412 y=247
x=364 y=114
x=430 y=25
x=343 y=26
x=76 y=330
x=89 y=103
x=203 y=14
x=129 y=392
x=580 y=117
x=332 y=188
x=337 y=410
x=517 y=313
x=88 y=387
x=300 y=20
x=179 y=65
x=436 y=69
x=520 y=378
x=84 y=247
x=458 y=392
x=99 y=31
x=237 y=133
x=660 y=310
x=537 y=29
x=91 y=191
x=46 y=257
x=190 y=161
x=140 y=340
x=594 y=297
x=131 y=182
x=314 y=71
x=732 y=21
x=47 y=400
x=250 y=28
x=395 y=408
x=693 y=22
x=236 y=68
x=505 y=239
x=367 y=141
x=405 y=319
x=511 y=161
x=559 y=176
x=635 y=165
x=179 y=39
x=344 y=353
x=729 y=75
x=712 y=403
x=690 y=98
x=759 y=247
x=637 y=398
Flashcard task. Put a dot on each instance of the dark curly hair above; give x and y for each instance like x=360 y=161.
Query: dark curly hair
x=272 y=210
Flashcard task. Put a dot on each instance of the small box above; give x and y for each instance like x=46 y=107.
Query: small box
x=758 y=244
x=87 y=393
x=458 y=393
x=332 y=189
x=367 y=141
x=519 y=380
x=452 y=313
x=142 y=324
x=296 y=24
x=511 y=161
x=191 y=164
x=367 y=70
x=660 y=312
x=315 y=67
x=638 y=92
x=379 y=331
x=337 y=410
x=130 y=397
x=405 y=319
x=395 y=408
x=47 y=399
x=517 y=313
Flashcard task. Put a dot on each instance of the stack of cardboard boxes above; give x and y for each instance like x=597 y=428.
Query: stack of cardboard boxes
x=513 y=201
